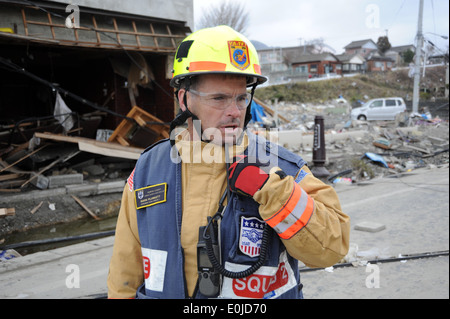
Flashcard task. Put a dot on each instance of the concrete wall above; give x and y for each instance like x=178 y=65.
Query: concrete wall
x=181 y=10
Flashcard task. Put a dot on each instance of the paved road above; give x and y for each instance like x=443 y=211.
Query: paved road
x=414 y=209
x=76 y=271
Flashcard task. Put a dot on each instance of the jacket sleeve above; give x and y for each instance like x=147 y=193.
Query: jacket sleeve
x=307 y=216
x=125 y=270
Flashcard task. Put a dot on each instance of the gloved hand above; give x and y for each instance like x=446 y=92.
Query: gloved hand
x=247 y=175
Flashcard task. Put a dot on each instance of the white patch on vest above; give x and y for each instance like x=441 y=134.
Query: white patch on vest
x=267 y=282
x=154 y=263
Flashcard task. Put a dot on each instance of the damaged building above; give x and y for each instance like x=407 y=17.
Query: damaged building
x=86 y=68
x=84 y=84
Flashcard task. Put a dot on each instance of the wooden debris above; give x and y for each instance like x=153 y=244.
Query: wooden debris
x=57 y=161
x=7 y=212
x=148 y=130
x=382 y=143
x=422 y=150
x=8 y=177
x=35 y=209
x=96 y=147
x=23 y=158
x=269 y=110
x=85 y=207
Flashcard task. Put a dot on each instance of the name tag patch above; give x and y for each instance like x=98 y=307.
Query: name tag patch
x=151 y=195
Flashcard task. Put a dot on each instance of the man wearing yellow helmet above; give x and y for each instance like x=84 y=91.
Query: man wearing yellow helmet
x=206 y=53
x=217 y=212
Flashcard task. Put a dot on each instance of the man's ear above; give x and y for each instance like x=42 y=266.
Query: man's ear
x=181 y=94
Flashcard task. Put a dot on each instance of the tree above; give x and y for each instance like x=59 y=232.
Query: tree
x=408 y=56
x=226 y=13
x=383 y=44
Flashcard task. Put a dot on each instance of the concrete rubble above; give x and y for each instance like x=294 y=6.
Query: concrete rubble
x=357 y=151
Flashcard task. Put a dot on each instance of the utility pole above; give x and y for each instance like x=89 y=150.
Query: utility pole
x=418 y=57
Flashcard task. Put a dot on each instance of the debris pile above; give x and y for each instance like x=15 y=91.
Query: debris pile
x=48 y=160
x=48 y=178
x=361 y=150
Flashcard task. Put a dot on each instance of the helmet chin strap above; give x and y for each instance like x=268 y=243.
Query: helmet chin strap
x=181 y=118
x=248 y=115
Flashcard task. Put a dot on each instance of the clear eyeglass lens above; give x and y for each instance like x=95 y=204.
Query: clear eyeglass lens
x=223 y=101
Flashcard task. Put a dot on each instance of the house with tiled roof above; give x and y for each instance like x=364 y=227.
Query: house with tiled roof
x=361 y=47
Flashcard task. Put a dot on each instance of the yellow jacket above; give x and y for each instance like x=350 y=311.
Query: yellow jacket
x=321 y=243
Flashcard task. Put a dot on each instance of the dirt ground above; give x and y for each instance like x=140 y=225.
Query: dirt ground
x=57 y=210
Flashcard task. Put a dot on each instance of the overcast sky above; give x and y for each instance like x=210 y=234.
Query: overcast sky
x=284 y=23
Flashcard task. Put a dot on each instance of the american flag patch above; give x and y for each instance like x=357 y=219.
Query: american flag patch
x=130 y=180
x=251 y=235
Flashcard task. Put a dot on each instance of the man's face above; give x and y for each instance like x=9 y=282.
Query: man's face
x=222 y=124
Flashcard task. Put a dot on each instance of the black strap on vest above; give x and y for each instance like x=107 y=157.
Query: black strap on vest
x=211 y=232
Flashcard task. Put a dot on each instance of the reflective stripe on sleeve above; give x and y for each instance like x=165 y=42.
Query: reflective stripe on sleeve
x=294 y=214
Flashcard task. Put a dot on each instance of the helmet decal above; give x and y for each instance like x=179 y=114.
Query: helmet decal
x=239 y=55
x=216 y=50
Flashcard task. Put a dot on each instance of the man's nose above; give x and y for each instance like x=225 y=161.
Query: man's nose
x=233 y=109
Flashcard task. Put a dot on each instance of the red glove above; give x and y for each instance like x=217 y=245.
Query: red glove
x=247 y=175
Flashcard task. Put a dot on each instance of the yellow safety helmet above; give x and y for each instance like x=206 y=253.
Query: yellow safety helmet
x=217 y=50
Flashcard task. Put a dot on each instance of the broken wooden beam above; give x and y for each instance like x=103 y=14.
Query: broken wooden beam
x=4 y=212
x=85 y=207
x=61 y=159
x=269 y=110
x=23 y=158
x=35 y=209
x=94 y=146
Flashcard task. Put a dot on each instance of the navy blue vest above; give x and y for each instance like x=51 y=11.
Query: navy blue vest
x=157 y=185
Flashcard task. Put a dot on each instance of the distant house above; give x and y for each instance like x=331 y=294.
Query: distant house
x=361 y=47
x=377 y=62
x=352 y=63
x=317 y=64
x=374 y=60
x=293 y=63
x=397 y=53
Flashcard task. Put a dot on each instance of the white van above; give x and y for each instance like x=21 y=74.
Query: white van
x=379 y=109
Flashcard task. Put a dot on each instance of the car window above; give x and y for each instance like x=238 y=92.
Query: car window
x=391 y=103
x=378 y=103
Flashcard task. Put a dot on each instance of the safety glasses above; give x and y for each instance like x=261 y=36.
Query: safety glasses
x=222 y=101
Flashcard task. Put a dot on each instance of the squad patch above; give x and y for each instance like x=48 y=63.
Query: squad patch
x=266 y=282
x=251 y=235
x=151 y=195
x=239 y=56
